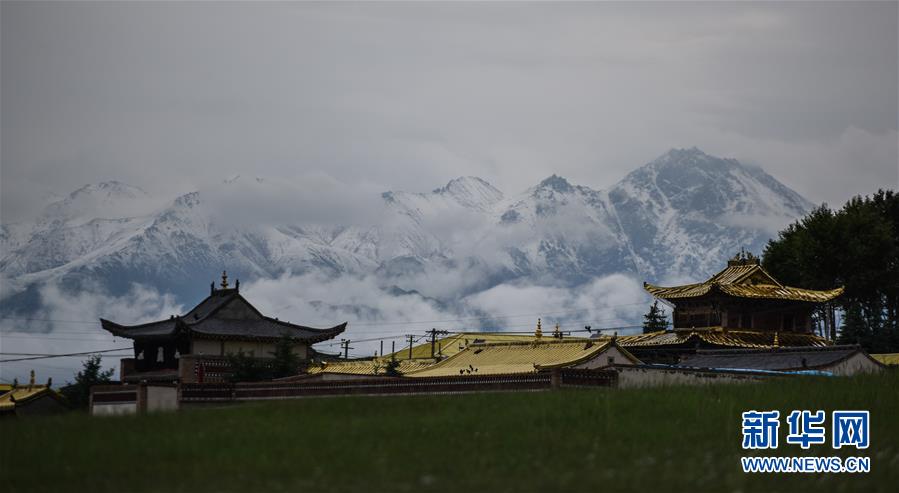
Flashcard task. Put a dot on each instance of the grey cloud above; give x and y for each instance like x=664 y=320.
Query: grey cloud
x=171 y=96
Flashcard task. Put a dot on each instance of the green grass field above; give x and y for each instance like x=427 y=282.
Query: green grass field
x=671 y=439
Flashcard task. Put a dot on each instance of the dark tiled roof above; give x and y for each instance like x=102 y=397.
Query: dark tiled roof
x=774 y=359
x=266 y=328
x=162 y=328
x=215 y=301
x=207 y=320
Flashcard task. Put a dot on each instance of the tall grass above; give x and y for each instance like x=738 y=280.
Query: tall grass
x=667 y=439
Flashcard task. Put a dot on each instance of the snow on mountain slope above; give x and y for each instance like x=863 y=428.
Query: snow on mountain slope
x=85 y=221
x=111 y=199
x=565 y=233
x=425 y=227
x=685 y=212
x=677 y=218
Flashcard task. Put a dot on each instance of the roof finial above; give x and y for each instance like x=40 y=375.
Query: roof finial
x=539 y=332
x=557 y=332
x=31 y=381
x=224 y=279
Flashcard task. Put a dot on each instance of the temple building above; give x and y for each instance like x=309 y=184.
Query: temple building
x=743 y=306
x=195 y=346
x=743 y=297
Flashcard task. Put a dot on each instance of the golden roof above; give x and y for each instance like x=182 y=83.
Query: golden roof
x=455 y=343
x=368 y=367
x=743 y=279
x=20 y=394
x=720 y=337
x=891 y=359
x=516 y=357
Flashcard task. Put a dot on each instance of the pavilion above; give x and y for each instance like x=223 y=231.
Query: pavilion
x=196 y=345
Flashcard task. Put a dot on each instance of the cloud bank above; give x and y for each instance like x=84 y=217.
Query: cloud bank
x=399 y=94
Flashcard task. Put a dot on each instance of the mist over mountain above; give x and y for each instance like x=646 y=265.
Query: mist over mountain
x=465 y=249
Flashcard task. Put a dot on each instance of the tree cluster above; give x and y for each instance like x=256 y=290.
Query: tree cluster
x=856 y=247
x=284 y=363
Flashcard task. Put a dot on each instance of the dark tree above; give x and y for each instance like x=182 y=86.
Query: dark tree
x=857 y=247
x=245 y=368
x=392 y=368
x=283 y=363
x=855 y=328
x=286 y=362
x=655 y=320
x=78 y=393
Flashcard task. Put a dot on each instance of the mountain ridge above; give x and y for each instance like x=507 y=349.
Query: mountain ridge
x=677 y=217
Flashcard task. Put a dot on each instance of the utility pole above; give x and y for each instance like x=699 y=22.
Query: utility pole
x=411 y=341
x=345 y=344
x=434 y=333
x=382 y=348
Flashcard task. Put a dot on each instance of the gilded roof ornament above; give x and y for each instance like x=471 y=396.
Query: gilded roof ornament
x=539 y=332
x=224 y=280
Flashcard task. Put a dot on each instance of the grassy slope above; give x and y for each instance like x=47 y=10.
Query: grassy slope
x=641 y=440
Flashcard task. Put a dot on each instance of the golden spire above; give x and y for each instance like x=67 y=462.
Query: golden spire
x=557 y=332
x=224 y=279
x=539 y=332
x=776 y=341
x=31 y=382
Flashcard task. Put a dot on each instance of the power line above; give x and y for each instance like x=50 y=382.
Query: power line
x=371 y=324
x=53 y=338
x=487 y=317
x=60 y=329
x=49 y=354
x=369 y=339
x=64 y=355
x=51 y=320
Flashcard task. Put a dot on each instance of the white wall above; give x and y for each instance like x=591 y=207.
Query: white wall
x=854 y=365
x=636 y=377
x=162 y=398
x=255 y=349
x=207 y=348
x=602 y=359
x=113 y=409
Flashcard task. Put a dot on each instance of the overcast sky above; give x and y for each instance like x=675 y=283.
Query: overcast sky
x=171 y=96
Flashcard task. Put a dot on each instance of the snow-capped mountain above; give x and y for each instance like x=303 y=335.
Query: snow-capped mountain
x=685 y=212
x=676 y=218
